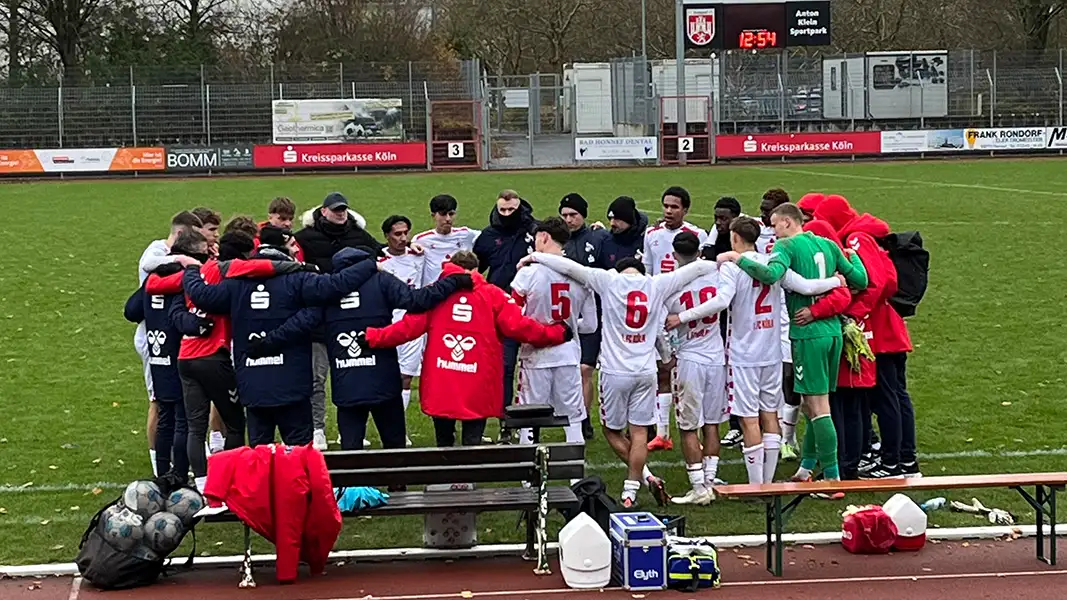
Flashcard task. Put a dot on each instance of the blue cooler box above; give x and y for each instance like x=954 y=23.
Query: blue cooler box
x=638 y=551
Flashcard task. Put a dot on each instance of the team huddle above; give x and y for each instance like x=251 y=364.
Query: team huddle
x=745 y=324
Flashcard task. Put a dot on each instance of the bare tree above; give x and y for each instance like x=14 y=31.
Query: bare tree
x=63 y=26
x=11 y=26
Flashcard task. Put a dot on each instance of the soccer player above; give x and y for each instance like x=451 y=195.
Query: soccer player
x=753 y=346
x=659 y=258
x=584 y=247
x=787 y=419
x=552 y=374
x=633 y=306
x=445 y=239
x=816 y=345
x=699 y=377
x=400 y=260
x=155 y=255
x=211 y=220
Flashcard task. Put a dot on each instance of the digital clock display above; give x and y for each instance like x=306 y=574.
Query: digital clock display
x=756 y=39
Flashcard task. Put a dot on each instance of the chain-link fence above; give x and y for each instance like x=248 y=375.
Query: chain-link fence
x=534 y=120
x=208 y=105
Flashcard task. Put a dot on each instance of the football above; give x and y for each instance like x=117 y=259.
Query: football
x=184 y=503
x=163 y=532
x=123 y=528
x=143 y=497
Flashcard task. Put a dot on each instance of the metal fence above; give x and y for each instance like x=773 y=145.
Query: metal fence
x=533 y=120
x=203 y=105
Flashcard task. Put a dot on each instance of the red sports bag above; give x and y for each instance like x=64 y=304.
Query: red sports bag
x=868 y=530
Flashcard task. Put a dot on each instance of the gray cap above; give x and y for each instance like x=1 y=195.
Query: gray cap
x=335 y=200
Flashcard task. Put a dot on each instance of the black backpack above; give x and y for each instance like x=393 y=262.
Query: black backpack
x=912 y=262
x=593 y=500
x=108 y=568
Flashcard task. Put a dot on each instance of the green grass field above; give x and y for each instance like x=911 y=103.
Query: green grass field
x=986 y=376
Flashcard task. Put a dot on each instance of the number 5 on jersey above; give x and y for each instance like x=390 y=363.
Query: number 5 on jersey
x=561 y=301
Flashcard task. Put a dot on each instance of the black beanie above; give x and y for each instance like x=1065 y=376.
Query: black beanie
x=624 y=209
x=274 y=236
x=575 y=202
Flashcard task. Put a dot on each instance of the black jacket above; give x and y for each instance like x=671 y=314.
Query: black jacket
x=585 y=245
x=164 y=339
x=321 y=239
x=358 y=376
x=501 y=246
x=623 y=245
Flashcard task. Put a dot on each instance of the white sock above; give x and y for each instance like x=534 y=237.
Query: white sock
x=696 y=478
x=646 y=474
x=754 y=463
x=789 y=424
x=573 y=433
x=152 y=454
x=406 y=395
x=663 y=414
x=772 y=443
x=216 y=441
x=629 y=489
x=200 y=483
x=711 y=469
x=526 y=436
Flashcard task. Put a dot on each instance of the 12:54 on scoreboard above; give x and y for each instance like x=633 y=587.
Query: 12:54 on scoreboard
x=756 y=24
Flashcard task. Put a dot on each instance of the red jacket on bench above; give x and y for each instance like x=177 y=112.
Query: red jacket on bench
x=284 y=494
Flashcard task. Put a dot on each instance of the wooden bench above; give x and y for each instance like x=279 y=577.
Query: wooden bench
x=1044 y=500
x=537 y=464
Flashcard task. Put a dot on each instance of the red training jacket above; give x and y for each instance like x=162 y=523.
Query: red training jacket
x=463 y=364
x=284 y=494
x=837 y=302
x=298 y=255
x=199 y=347
x=861 y=232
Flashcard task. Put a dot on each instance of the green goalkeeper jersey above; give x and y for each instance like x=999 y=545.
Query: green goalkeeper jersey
x=811 y=257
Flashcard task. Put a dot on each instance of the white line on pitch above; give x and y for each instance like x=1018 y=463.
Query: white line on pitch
x=75 y=588
x=912 y=182
x=106 y=485
x=739 y=584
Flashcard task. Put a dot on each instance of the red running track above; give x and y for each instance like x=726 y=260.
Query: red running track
x=972 y=570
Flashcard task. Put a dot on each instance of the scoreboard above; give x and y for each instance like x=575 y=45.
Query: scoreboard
x=756 y=24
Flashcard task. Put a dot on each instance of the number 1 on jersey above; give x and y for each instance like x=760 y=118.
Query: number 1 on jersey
x=704 y=294
x=561 y=301
x=820 y=261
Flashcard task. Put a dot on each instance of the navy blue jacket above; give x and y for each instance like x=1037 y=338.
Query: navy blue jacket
x=256 y=306
x=585 y=245
x=500 y=247
x=624 y=245
x=358 y=377
x=164 y=340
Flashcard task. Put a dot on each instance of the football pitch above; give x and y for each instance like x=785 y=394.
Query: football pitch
x=986 y=376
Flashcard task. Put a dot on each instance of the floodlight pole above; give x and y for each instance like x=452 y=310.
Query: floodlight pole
x=679 y=71
x=644 y=29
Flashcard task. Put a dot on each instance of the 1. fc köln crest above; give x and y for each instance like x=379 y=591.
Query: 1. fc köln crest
x=700 y=26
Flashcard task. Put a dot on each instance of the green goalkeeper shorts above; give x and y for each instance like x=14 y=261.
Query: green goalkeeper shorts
x=815 y=365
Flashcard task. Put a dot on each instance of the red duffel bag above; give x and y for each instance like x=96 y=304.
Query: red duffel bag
x=867 y=530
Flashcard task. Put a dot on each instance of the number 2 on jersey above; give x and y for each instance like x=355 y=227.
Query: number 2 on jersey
x=704 y=294
x=561 y=301
x=762 y=306
x=636 y=309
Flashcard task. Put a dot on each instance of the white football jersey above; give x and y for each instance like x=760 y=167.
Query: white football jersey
x=552 y=298
x=698 y=340
x=633 y=309
x=754 y=329
x=766 y=239
x=438 y=248
x=659 y=247
x=406 y=267
x=764 y=245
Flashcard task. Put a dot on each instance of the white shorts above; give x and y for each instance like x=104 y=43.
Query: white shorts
x=560 y=387
x=756 y=390
x=140 y=343
x=409 y=356
x=699 y=392
x=627 y=400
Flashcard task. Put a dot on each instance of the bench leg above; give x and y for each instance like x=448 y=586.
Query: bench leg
x=246 y=566
x=1044 y=505
x=776 y=517
x=531 y=536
